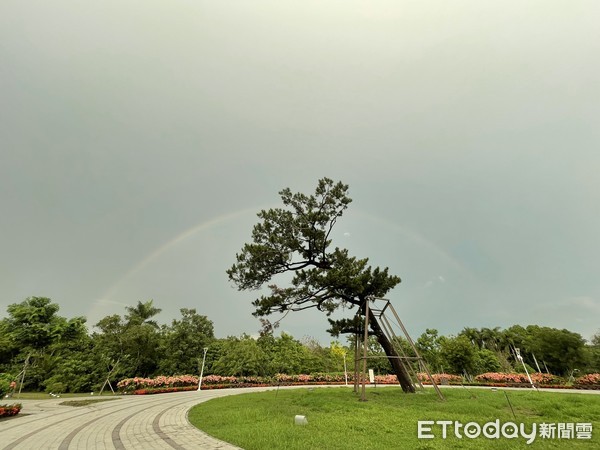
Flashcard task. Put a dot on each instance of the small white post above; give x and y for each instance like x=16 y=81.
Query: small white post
x=202 y=369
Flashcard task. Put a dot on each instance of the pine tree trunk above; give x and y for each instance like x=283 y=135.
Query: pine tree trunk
x=397 y=364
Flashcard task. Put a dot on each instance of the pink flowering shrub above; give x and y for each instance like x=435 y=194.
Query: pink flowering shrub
x=303 y=378
x=160 y=384
x=282 y=378
x=440 y=378
x=546 y=378
x=386 y=379
x=218 y=379
x=285 y=378
x=588 y=380
x=132 y=384
x=163 y=390
x=518 y=378
x=496 y=377
x=252 y=380
x=323 y=377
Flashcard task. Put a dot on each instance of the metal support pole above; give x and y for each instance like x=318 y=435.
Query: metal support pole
x=363 y=397
x=520 y=358
x=536 y=363
x=23 y=377
x=345 y=369
x=356 y=359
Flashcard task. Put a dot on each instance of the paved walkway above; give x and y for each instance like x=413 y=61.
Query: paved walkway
x=130 y=422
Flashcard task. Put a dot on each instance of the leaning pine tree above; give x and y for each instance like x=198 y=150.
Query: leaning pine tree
x=296 y=239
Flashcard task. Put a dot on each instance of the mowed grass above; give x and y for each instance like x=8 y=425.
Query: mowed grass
x=45 y=396
x=388 y=420
x=86 y=402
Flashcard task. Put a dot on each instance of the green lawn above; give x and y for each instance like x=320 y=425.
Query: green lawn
x=86 y=402
x=44 y=396
x=388 y=420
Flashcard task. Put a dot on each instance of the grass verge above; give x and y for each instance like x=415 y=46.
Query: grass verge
x=86 y=402
x=337 y=420
x=44 y=396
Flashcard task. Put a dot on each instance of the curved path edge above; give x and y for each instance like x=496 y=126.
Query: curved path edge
x=131 y=422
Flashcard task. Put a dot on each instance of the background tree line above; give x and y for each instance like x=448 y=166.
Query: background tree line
x=62 y=355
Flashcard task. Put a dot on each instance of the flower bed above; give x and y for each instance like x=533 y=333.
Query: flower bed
x=144 y=386
x=440 y=378
x=230 y=386
x=10 y=410
x=589 y=381
x=519 y=378
x=132 y=384
x=163 y=390
x=162 y=384
x=546 y=379
x=592 y=379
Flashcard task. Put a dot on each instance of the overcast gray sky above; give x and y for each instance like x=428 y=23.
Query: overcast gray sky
x=139 y=139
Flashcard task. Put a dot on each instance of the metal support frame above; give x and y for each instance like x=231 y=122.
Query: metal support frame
x=386 y=325
x=108 y=375
x=22 y=374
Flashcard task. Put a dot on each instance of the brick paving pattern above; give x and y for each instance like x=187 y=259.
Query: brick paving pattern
x=131 y=422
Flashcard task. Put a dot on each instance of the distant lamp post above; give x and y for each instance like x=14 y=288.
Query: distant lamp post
x=345 y=369
x=202 y=369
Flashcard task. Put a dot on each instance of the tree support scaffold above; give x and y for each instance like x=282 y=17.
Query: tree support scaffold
x=389 y=321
